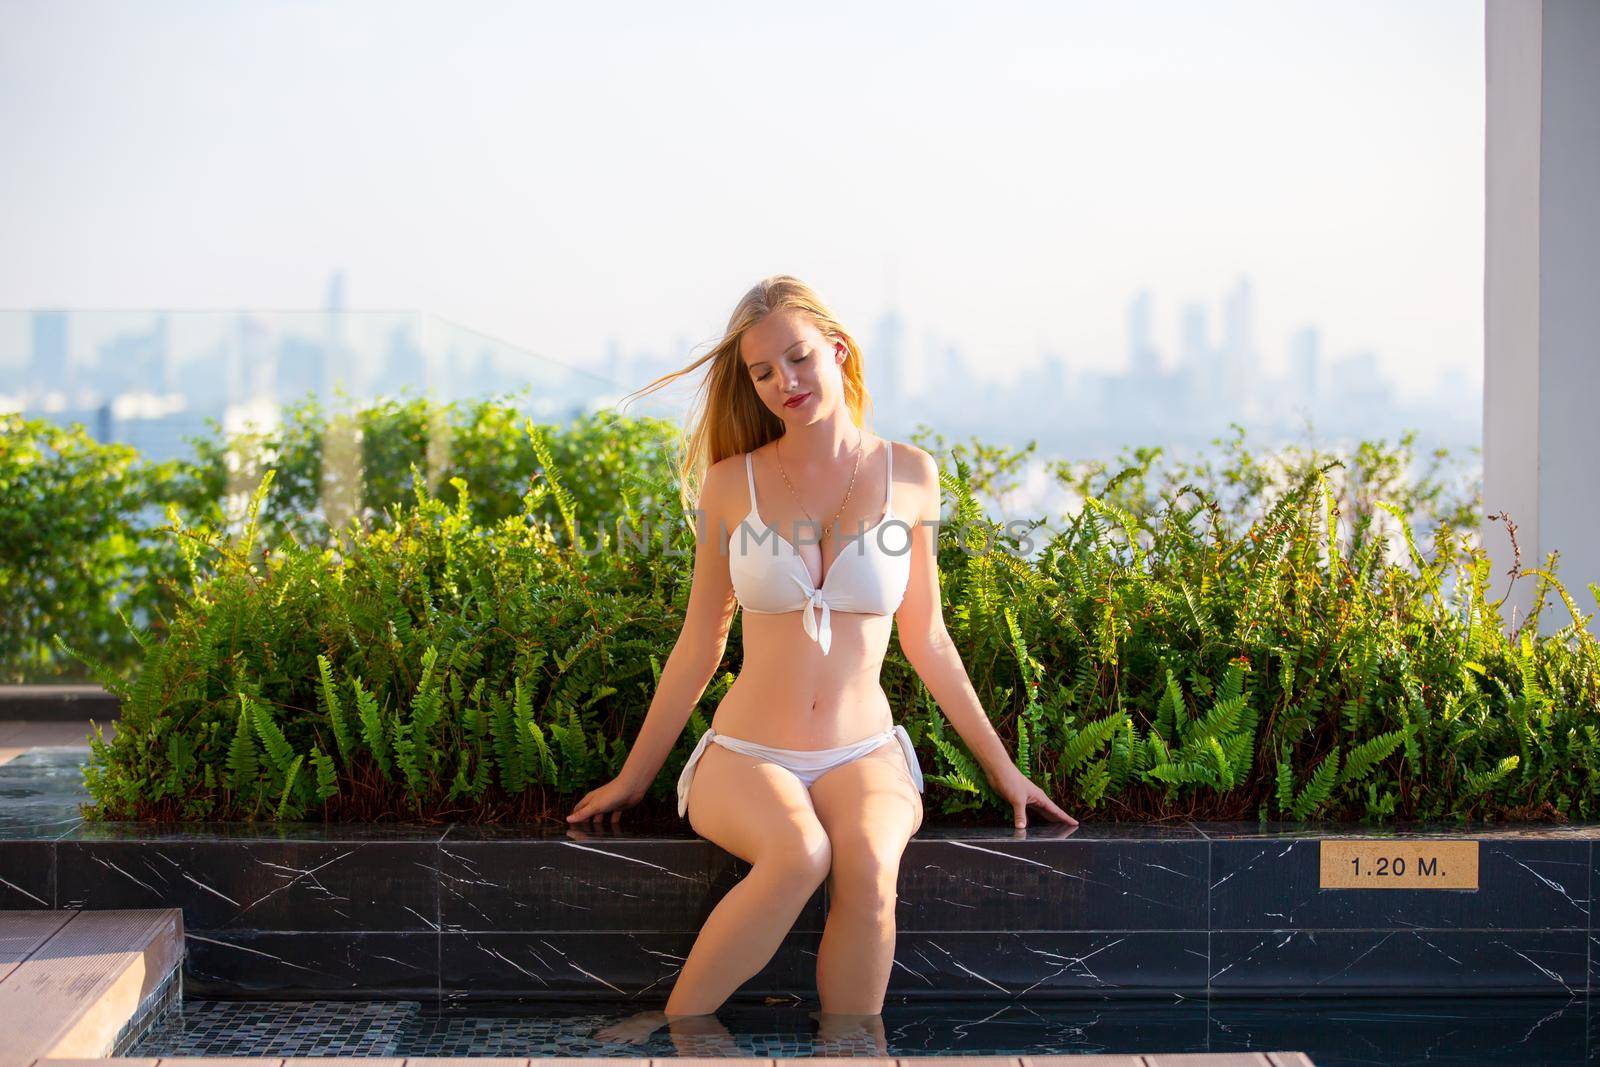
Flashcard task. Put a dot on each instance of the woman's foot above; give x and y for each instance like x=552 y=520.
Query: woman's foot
x=856 y=1034
x=701 y=1035
x=634 y=1030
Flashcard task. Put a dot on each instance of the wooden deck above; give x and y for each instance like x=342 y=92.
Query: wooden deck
x=70 y=981
x=1186 y=1059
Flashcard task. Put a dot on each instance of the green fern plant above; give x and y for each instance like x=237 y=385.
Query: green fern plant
x=1207 y=640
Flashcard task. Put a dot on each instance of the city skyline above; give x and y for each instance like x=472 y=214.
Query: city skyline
x=133 y=387
x=1225 y=349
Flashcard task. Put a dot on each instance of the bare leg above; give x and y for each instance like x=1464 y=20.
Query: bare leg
x=869 y=808
x=761 y=813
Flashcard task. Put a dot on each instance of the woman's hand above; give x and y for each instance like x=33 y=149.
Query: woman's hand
x=1015 y=787
x=613 y=797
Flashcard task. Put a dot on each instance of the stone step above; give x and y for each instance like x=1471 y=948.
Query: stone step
x=84 y=983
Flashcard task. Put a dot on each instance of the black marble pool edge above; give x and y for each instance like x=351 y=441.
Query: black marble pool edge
x=59 y=702
x=461 y=912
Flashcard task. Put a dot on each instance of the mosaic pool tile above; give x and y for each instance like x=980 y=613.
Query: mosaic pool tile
x=1359 y=1032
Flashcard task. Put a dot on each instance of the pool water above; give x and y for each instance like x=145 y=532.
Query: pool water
x=1344 y=1032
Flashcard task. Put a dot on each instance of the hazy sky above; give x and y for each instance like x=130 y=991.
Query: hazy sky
x=555 y=174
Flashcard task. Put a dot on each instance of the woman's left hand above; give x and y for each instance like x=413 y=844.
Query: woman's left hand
x=1020 y=792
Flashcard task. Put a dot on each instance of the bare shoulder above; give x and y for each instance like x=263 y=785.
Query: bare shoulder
x=917 y=473
x=721 y=491
x=920 y=469
x=722 y=470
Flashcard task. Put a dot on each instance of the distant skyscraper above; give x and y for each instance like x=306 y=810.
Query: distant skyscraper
x=403 y=364
x=1053 y=376
x=336 y=292
x=953 y=378
x=885 y=361
x=166 y=364
x=1194 y=338
x=1305 y=353
x=50 y=366
x=1357 y=386
x=1239 y=337
x=1144 y=361
x=942 y=373
x=1199 y=361
x=134 y=361
x=339 y=359
x=300 y=368
x=253 y=370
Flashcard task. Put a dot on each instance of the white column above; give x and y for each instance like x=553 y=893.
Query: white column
x=1541 y=381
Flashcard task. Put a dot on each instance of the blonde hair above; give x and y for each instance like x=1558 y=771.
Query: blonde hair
x=728 y=417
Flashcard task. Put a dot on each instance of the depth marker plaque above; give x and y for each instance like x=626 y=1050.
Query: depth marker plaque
x=1392 y=863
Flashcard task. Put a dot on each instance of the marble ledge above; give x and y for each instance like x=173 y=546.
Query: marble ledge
x=61 y=824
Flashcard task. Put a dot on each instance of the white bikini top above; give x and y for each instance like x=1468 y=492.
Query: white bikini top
x=869 y=576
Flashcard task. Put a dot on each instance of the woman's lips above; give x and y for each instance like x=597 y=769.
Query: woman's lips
x=796 y=401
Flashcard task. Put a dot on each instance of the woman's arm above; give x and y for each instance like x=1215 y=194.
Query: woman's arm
x=928 y=648
x=923 y=637
x=698 y=651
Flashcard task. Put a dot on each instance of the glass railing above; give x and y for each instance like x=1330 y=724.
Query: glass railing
x=151 y=378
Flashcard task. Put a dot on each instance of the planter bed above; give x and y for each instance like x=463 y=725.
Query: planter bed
x=1109 y=909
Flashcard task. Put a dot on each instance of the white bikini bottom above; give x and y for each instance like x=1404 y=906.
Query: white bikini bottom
x=807 y=764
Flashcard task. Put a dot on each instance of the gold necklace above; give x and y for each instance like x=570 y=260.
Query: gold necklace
x=859 y=439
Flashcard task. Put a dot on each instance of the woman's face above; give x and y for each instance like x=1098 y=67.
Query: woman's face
x=794 y=368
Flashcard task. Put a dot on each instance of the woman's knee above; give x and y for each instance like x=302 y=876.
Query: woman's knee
x=865 y=876
x=801 y=856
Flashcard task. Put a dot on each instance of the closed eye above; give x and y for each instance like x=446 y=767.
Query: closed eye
x=797 y=359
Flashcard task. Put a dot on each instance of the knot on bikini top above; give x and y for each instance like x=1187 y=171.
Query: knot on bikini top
x=818 y=624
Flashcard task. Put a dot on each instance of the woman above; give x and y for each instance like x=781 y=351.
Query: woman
x=804 y=520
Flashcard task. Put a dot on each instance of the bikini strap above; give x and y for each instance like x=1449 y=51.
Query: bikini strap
x=750 y=478
x=888 y=494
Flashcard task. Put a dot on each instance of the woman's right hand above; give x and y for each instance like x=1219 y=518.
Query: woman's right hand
x=613 y=797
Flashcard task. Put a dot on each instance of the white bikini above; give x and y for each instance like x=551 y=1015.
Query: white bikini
x=874 y=586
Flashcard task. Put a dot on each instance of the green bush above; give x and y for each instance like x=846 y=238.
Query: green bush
x=82 y=543
x=481 y=443
x=75 y=560
x=1285 y=669
x=1163 y=654
x=396 y=672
